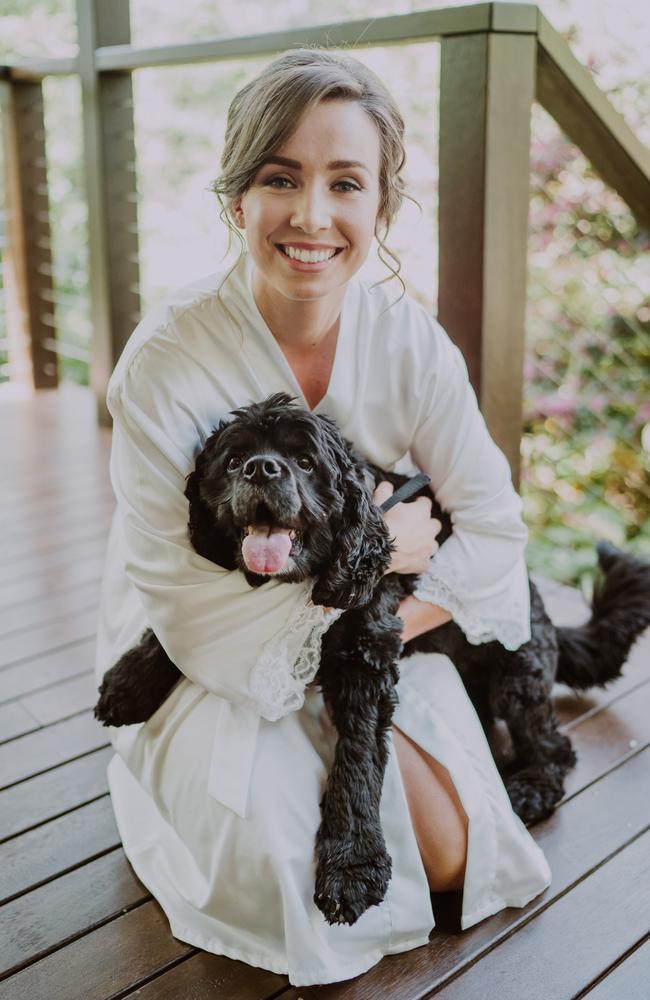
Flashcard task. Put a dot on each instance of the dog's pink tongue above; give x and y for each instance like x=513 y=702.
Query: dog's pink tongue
x=264 y=552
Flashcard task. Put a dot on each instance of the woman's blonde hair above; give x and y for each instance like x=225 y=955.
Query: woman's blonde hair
x=266 y=111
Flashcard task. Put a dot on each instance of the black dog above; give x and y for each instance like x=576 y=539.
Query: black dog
x=278 y=490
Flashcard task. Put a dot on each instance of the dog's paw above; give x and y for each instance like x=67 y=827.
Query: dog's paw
x=350 y=877
x=115 y=707
x=534 y=792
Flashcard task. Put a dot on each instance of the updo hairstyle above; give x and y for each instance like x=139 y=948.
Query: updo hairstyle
x=267 y=110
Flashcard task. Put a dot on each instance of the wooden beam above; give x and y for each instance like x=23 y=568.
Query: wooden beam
x=34 y=69
x=394 y=29
x=398 y=29
x=109 y=154
x=486 y=92
x=569 y=93
x=28 y=274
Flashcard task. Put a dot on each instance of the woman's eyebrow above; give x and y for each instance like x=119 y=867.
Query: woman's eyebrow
x=284 y=161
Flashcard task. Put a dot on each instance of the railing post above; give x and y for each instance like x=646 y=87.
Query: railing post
x=487 y=86
x=109 y=153
x=28 y=254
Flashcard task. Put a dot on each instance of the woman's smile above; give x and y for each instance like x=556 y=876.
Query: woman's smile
x=299 y=258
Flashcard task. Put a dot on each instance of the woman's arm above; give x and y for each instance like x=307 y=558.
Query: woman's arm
x=420 y=616
x=479 y=573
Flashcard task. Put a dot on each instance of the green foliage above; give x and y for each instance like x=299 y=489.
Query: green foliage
x=587 y=374
x=69 y=226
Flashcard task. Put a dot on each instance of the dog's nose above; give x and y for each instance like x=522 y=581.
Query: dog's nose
x=261 y=469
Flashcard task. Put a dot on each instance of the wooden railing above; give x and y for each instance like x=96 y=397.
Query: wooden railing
x=497 y=58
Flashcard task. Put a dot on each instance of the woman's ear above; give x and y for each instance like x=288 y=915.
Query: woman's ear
x=237 y=212
x=362 y=549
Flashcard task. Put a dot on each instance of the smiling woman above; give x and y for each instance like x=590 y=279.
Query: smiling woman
x=217 y=796
x=316 y=220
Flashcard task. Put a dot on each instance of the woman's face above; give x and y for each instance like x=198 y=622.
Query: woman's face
x=315 y=203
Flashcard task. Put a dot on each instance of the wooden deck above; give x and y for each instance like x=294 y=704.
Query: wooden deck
x=76 y=923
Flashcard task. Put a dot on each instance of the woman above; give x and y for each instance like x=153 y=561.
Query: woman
x=217 y=796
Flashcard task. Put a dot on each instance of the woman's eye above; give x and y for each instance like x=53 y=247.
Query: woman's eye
x=278 y=182
x=233 y=463
x=305 y=463
x=349 y=185
x=273 y=180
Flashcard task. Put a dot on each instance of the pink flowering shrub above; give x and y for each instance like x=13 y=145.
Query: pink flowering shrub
x=587 y=381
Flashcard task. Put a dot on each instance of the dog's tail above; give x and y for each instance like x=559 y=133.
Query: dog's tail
x=594 y=653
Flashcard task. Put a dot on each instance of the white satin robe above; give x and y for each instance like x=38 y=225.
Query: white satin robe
x=217 y=796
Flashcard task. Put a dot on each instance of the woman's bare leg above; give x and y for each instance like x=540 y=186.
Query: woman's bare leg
x=439 y=820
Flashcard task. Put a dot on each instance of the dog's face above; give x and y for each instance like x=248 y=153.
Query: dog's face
x=276 y=492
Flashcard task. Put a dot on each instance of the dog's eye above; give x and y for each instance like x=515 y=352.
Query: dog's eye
x=305 y=463
x=233 y=463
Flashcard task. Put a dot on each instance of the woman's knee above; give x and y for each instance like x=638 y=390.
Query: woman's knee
x=439 y=820
x=446 y=870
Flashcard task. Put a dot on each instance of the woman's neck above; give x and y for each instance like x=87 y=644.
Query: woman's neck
x=299 y=325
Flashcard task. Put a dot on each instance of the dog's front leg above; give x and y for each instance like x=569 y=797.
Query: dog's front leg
x=353 y=866
x=137 y=685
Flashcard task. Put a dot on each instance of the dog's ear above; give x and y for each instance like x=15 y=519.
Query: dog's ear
x=362 y=547
x=205 y=535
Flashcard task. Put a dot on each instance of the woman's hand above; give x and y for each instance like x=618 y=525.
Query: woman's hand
x=413 y=529
x=414 y=532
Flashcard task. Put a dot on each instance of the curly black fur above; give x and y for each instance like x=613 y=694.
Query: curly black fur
x=344 y=545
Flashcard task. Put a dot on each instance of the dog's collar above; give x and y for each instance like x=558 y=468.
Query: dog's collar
x=406 y=490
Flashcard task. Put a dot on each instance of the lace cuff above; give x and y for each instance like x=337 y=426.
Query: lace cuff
x=512 y=631
x=290 y=660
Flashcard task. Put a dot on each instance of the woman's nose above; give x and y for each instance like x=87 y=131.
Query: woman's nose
x=311 y=210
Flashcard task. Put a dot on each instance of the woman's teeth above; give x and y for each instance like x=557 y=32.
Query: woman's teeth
x=308 y=256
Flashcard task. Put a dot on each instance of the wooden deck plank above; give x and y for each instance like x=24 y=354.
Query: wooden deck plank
x=52 y=607
x=609 y=809
x=52 y=704
x=603 y=740
x=594 y=720
x=560 y=833
x=605 y=914
x=55 y=847
x=54 y=490
x=62 y=836
x=15 y=720
x=52 y=745
x=571 y=707
x=23 y=646
x=577 y=839
x=565 y=605
x=79 y=694
x=205 y=975
x=53 y=793
x=103 y=963
x=62 y=508
x=628 y=981
x=54 y=562
x=35 y=538
x=65 y=908
x=83 y=570
x=48 y=668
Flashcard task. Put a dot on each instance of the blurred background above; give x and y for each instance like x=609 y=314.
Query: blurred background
x=586 y=435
